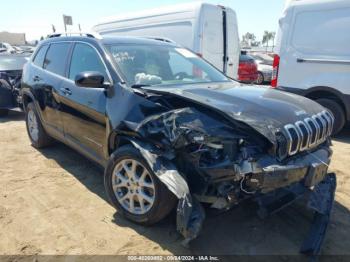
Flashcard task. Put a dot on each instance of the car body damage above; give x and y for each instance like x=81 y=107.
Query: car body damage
x=205 y=153
x=190 y=213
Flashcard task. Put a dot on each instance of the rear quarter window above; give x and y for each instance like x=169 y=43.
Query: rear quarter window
x=56 y=58
x=323 y=32
x=246 y=58
x=40 y=56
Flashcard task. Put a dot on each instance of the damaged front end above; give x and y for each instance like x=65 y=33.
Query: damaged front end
x=203 y=157
x=11 y=67
x=9 y=91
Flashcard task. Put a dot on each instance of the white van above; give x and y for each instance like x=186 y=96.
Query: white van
x=313 y=54
x=209 y=30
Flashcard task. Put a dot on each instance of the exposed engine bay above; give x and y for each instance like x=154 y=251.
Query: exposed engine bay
x=10 y=84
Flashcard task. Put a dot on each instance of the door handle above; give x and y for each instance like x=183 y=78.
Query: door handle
x=66 y=91
x=36 y=78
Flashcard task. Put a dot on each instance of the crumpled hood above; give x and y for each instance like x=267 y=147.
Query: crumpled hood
x=264 y=109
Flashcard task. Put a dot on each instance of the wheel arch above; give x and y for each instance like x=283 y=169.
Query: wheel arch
x=116 y=140
x=26 y=99
x=317 y=92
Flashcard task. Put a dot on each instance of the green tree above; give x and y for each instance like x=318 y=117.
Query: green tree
x=248 y=39
x=267 y=36
x=273 y=36
x=265 y=39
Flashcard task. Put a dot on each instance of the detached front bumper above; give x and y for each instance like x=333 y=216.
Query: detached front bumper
x=266 y=174
x=307 y=177
x=318 y=199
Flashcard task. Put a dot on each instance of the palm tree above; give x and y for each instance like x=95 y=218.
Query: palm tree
x=273 y=35
x=266 y=38
x=249 y=38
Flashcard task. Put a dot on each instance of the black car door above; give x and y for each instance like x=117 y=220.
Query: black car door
x=83 y=109
x=46 y=81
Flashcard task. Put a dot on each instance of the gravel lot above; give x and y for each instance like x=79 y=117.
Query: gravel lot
x=52 y=201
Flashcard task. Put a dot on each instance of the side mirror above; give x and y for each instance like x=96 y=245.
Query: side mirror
x=89 y=79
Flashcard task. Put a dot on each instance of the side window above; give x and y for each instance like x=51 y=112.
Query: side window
x=56 y=57
x=85 y=58
x=40 y=56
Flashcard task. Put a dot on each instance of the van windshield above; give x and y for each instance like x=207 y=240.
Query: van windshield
x=162 y=65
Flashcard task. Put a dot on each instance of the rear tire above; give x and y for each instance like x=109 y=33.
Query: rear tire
x=260 y=79
x=163 y=201
x=4 y=112
x=337 y=111
x=36 y=132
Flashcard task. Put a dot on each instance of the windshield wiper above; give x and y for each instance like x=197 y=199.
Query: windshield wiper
x=139 y=85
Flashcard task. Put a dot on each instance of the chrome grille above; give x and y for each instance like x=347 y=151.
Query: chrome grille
x=305 y=134
x=308 y=133
x=314 y=131
x=294 y=139
x=330 y=120
x=321 y=126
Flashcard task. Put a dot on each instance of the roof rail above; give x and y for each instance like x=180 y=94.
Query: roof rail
x=163 y=39
x=92 y=35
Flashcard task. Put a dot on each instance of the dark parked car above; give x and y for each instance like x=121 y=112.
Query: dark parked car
x=171 y=130
x=11 y=67
x=247 y=69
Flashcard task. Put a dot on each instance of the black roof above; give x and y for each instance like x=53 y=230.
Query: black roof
x=109 y=40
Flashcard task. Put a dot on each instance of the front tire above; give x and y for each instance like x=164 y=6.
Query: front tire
x=35 y=130
x=3 y=112
x=337 y=111
x=133 y=188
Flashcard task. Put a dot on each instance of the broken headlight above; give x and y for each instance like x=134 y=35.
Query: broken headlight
x=211 y=151
x=282 y=145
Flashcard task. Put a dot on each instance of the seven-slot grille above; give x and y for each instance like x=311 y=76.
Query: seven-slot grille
x=308 y=133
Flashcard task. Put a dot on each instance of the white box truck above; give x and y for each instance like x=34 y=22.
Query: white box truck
x=313 y=54
x=209 y=30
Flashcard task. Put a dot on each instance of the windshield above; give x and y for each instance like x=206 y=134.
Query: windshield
x=162 y=65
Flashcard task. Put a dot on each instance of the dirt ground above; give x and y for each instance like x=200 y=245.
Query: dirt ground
x=52 y=201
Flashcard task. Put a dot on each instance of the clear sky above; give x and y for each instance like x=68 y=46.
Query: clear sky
x=34 y=17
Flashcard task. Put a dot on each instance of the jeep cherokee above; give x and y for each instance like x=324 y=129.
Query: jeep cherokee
x=170 y=129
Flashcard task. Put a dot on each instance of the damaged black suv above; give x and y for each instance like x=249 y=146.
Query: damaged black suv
x=170 y=129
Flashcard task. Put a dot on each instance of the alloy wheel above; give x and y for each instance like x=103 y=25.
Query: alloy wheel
x=133 y=186
x=33 y=126
x=260 y=79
